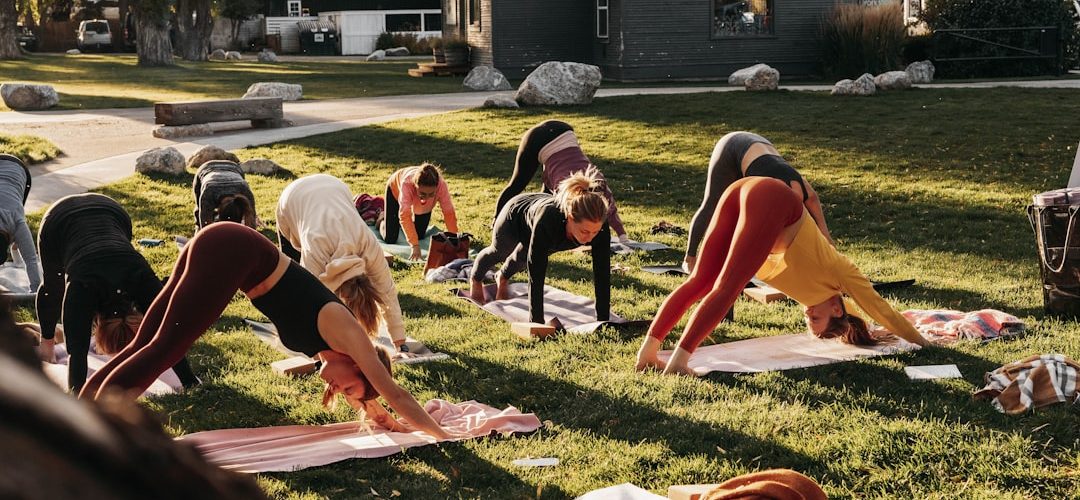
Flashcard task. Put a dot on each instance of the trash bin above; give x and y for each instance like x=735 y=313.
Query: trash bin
x=1055 y=218
x=318 y=38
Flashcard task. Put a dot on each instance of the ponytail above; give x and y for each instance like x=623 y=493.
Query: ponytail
x=361 y=297
x=236 y=208
x=580 y=196
x=114 y=334
x=850 y=329
x=429 y=175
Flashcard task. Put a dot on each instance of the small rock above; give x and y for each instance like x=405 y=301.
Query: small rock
x=286 y=91
x=173 y=132
x=763 y=79
x=920 y=72
x=397 y=52
x=863 y=86
x=739 y=77
x=378 y=55
x=164 y=160
x=233 y=55
x=893 y=80
x=260 y=166
x=559 y=83
x=210 y=153
x=267 y=56
x=486 y=78
x=501 y=102
x=28 y=97
x=217 y=55
x=73 y=52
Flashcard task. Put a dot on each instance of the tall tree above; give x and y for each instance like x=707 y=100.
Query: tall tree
x=194 y=25
x=9 y=30
x=238 y=11
x=152 y=32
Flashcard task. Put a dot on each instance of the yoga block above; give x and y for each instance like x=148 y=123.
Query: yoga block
x=689 y=491
x=764 y=294
x=529 y=331
x=296 y=365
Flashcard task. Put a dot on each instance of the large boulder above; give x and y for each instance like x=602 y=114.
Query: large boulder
x=267 y=56
x=864 y=85
x=763 y=79
x=486 y=78
x=164 y=160
x=920 y=72
x=28 y=97
x=893 y=80
x=210 y=153
x=233 y=55
x=286 y=91
x=559 y=83
x=217 y=55
x=501 y=102
x=378 y=55
x=178 y=131
x=397 y=52
x=739 y=77
x=261 y=166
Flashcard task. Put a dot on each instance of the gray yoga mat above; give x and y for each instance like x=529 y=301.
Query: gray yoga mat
x=577 y=313
x=14 y=281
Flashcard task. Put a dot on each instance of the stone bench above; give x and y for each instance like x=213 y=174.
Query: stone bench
x=264 y=112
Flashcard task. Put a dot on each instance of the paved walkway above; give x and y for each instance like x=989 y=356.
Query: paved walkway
x=101 y=146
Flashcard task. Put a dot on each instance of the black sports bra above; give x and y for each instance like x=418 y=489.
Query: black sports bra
x=775 y=167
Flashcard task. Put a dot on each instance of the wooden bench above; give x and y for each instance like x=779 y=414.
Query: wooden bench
x=264 y=112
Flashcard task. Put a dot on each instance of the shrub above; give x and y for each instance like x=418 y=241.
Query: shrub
x=942 y=14
x=857 y=39
x=29 y=148
x=385 y=41
x=408 y=40
x=455 y=44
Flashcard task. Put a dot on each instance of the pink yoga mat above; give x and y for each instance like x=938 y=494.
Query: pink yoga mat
x=295 y=447
x=577 y=313
x=782 y=352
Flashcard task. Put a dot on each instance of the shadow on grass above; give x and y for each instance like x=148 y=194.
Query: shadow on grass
x=86 y=101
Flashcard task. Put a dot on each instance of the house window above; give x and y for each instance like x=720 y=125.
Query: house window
x=432 y=22
x=602 y=18
x=402 y=22
x=474 y=12
x=293 y=8
x=742 y=18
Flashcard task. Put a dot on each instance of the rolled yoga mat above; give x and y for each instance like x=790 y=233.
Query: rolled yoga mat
x=577 y=313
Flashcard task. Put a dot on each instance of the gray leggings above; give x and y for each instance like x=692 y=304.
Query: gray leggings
x=725 y=167
x=503 y=244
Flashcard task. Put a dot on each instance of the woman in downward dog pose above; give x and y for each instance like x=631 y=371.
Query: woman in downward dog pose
x=225 y=257
x=533 y=226
x=744 y=154
x=761 y=227
x=318 y=226
x=14 y=188
x=222 y=194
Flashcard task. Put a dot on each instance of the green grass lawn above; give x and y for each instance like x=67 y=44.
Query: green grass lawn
x=924 y=184
x=93 y=81
x=30 y=149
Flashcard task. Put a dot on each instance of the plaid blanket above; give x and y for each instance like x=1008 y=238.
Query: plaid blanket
x=1031 y=383
x=944 y=326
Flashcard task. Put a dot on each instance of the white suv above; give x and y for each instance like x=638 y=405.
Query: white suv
x=94 y=33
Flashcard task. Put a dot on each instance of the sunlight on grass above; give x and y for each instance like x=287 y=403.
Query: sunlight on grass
x=30 y=149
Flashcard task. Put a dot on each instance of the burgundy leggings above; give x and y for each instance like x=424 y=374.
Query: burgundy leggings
x=222 y=258
x=752 y=214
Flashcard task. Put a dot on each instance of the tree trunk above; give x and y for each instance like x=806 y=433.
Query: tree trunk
x=152 y=33
x=9 y=41
x=234 y=38
x=194 y=24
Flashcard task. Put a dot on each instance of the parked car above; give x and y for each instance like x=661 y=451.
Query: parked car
x=94 y=33
x=27 y=39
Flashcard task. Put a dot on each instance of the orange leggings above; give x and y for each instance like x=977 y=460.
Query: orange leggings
x=752 y=214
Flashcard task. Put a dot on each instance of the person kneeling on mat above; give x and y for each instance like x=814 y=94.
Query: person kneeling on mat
x=761 y=227
x=226 y=257
x=222 y=194
x=411 y=194
x=552 y=148
x=14 y=188
x=744 y=154
x=533 y=226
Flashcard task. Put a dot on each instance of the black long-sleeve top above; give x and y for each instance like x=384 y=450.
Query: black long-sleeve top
x=89 y=268
x=539 y=225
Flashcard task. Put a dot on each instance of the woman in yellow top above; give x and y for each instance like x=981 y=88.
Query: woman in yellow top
x=761 y=227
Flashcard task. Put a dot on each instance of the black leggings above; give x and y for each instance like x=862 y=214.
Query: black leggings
x=528 y=158
x=392 y=226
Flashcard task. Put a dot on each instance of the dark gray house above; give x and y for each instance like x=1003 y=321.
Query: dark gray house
x=641 y=39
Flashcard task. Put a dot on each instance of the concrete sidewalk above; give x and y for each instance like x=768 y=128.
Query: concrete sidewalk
x=101 y=146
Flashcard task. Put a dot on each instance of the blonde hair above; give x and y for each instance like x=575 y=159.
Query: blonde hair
x=361 y=297
x=580 y=196
x=429 y=175
x=369 y=390
x=114 y=334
